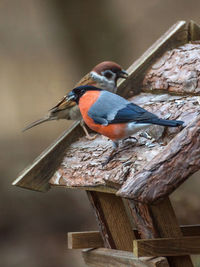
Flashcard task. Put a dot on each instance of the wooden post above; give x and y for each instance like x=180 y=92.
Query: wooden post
x=193 y=31
x=178 y=246
x=113 y=221
x=158 y=221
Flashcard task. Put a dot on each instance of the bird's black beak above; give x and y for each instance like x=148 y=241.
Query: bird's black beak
x=123 y=74
x=71 y=97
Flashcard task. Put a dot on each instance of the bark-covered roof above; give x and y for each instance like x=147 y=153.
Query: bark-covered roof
x=81 y=165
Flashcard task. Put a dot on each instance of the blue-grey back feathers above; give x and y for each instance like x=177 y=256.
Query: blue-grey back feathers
x=111 y=108
x=107 y=106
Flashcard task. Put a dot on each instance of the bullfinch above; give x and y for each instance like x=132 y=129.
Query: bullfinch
x=112 y=115
x=104 y=75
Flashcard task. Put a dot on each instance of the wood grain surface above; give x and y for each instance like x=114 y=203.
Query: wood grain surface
x=102 y=257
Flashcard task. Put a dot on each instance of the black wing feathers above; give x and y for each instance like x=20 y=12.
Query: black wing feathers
x=133 y=113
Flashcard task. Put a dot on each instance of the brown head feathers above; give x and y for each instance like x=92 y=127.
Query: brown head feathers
x=107 y=65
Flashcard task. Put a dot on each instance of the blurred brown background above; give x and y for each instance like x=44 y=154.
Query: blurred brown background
x=45 y=47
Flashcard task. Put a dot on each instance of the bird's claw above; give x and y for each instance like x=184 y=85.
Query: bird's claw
x=89 y=137
x=130 y=138
x=103 y=164
x=109 y=158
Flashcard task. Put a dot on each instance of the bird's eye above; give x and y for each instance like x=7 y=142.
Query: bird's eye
x=108 y=74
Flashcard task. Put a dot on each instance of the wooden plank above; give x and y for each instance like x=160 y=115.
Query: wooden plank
x=190 y=230
x=167 y=246
x=90 y=239
x=113 y=221
x=102 y=257
x=167 y=226
x=37 y=175
x=193 y=31
x=166 y=172
x=174 y=37
x=154 y=221
x=101 y=220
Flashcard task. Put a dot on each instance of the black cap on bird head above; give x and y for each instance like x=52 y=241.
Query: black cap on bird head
x=77 y=92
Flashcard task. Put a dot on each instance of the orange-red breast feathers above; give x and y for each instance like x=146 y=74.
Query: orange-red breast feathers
x=113 y=131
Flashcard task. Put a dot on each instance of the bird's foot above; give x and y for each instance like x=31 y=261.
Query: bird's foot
x=145 y=135
x=130 y=138
x=87 y=135
x=109 y=158
x=129 y=142
x=91 y=137
x=103 y=164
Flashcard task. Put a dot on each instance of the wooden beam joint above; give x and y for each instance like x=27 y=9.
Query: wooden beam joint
x=166 y=246
x=90 y=239
x=93 y=239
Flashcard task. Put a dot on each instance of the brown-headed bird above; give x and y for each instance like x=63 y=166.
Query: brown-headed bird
x=104 y=75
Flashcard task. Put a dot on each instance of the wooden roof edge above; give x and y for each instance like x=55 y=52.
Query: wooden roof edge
x=99 y=188
x=175 y=36
x=36 y=176
x=177 y=162
x=193 y=31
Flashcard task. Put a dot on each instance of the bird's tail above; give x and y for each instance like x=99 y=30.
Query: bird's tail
x=169 y=123
x=35 y=123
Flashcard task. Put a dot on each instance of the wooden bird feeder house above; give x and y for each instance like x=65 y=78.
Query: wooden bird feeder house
x=130 y=196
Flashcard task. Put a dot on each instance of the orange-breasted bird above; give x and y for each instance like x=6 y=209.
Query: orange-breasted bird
x=103 y=75
x=112 y=115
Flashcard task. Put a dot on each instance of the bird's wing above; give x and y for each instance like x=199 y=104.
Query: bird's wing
x=100 y=120
x=133 y=113
x=63 y=104
x=86 y=80
x=111 y=108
